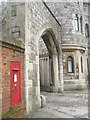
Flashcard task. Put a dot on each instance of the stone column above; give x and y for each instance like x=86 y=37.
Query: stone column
x=84 y=66
x=61 y=75
x=79 y=63
x=56 y=77
x=38 y=76
x=26 y=82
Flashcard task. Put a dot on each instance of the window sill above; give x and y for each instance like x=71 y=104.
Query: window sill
x=70 y=73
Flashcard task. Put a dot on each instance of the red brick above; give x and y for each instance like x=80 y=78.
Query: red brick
x=7 y=57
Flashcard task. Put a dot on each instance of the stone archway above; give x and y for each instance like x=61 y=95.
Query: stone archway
x=33 y=33
x=49 y=62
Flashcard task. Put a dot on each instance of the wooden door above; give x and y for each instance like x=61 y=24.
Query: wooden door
x=15 y=84
x=44 y=72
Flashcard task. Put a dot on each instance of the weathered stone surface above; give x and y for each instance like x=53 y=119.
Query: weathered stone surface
x=37 y=21
x=70 y=104
x=74 y=43
x=46 y=30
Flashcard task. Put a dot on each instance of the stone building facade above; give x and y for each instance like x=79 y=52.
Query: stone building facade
x=40 y=23
x=72 y=17
x=21 y=29
x=11 y=65
x=89 y=42
x=87 y=17
x=50 y=43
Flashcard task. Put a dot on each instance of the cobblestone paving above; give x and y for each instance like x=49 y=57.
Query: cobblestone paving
x=65 y=105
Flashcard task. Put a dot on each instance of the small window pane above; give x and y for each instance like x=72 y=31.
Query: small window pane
x=86 y=30
x=76 y=23
x=69 y=66
x=81 y=24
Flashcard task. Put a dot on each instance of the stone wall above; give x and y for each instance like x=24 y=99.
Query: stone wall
x=43 y=51
x=35 y=21
x=11 y=53
x=11 y=49
x=22 y=25
x=38 y=19
x=65 y=12
x=76 y=65
x=88 y=16
x=12 y=23
x=74 y=42
x=86 y=7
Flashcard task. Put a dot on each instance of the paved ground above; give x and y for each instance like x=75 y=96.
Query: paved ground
x=64 y=105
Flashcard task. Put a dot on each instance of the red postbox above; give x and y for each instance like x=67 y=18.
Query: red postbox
x=15 y=83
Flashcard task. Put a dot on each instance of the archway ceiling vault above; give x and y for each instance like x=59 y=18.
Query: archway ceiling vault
x=48 y=40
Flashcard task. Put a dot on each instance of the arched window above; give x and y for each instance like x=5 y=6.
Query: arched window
x=86 y=30
x=70 y=64
x=76 y=23
x=81 y=24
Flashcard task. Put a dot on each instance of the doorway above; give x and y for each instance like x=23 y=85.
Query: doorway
x=48 y=64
